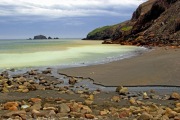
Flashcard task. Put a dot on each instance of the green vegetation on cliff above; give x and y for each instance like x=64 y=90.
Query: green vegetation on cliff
x=126 y=28
x=102 y=33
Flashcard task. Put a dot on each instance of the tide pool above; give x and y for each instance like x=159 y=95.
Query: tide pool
x=61 y=53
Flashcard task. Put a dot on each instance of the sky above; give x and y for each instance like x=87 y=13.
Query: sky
x=22 y=19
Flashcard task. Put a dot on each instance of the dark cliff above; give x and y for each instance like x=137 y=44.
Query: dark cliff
x=155 y=22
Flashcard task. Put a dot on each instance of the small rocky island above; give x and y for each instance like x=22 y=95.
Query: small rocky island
x=42 y=37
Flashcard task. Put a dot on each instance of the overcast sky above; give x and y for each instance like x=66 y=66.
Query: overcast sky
x=61 y=18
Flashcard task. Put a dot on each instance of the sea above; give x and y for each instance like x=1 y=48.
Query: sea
x=61 y=53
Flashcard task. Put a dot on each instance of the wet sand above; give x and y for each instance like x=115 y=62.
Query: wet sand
x=161 y=67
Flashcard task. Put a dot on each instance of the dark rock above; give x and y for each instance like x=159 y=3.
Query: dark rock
x=39 y=37
x=49 y=37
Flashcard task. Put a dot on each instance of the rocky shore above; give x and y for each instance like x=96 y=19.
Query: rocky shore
x=47 y=94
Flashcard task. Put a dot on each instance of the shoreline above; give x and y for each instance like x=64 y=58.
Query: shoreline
x=159 y=67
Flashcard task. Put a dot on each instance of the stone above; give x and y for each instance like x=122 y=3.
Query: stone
x=5 y=90
x=177 y=105
x=76 y=115
x=39 y=37
x=20 y=113
x=123 y=114
x=72 y=81
x=34 y=100
x=80 y=92
x=89 y=116
x=22 y=87
x=122 y=90
x=48 y=71
x=25 y=106
x=115 y=99
x=88 y=102
x=104 y=112
x=145 y=116
x=11 y=106
x=177 y=109
x=36 y=106
x=64 y=108
x=36 y=113
x=25 y=90
x=132 y=101
x=175 y=96
x=170 y=113
x=145 y=96
x=86 y=110
x=91 y=97
x=52 y=113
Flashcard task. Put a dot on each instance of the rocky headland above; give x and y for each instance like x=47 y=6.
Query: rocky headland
x=154 y=23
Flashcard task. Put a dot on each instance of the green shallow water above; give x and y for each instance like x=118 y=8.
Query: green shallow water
x=62 y=53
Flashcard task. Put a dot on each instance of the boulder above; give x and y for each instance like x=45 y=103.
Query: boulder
x=64 y=108
x=145 y=116
x=122 y=90
x=175 y=96
x=11 y=106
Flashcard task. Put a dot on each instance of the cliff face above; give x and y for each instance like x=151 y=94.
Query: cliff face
x=155 y=22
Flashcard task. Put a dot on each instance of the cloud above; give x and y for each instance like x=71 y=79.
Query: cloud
x=53 y=9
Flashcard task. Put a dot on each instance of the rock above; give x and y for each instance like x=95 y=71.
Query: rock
x=25 y=90
x=123 y=114
x=72 y=81
x=25 y=106
x=104 y=112
x=36 y=106
x=86 y=110
x=36 y=114
x=35 y=100
x=11 y=106
x=52 y=113
x=63 y=108
x=76 y=115
x=175 y=96
x=5 y=90
x=21 y=113
x=47 y=71
x=170 y=113
x=145 y=96
x=50 y=108
x=91 y=97
x=89 y=116
x=62 y=115
x=178 y=104
x=177 y=109
x=115 y=99
x=80 y=92
x=39 y=37
x=122 y=90
x=132 y=101
x=88 y=102
x=145 y=116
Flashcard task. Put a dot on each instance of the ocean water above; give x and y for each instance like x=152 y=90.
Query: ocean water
x=60 y=53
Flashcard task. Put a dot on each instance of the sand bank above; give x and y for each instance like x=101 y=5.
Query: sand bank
x=161 y=66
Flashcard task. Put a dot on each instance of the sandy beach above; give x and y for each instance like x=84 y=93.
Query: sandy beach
x=161 y=66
